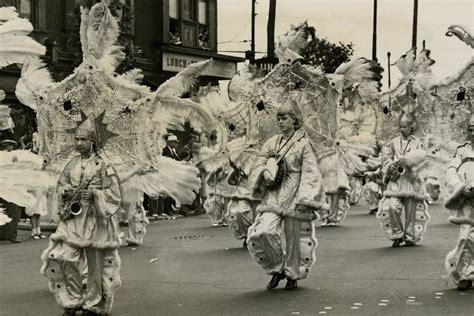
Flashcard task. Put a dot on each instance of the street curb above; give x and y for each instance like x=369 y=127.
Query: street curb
x=51 y=227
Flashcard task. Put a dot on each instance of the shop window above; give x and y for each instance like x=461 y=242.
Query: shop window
x=24 y=8
x=189 y=10
x=202 y=12
x=175 y=32
x=203 y=37
x=189 y=23
x=173 y=9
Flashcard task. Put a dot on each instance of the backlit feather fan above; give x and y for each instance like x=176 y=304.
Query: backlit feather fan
x=446 y=107
x=34 y=77
x=442 y=107
x=292 y=42
x=230 y=116
x=99 y=31
x=184 y=81
x=416 y=69
x=16 y=44
x=361 y=75
x=358 y=90
x=241 y=85
x=404 y=97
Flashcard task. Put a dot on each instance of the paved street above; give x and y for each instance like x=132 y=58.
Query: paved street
x=202 y=270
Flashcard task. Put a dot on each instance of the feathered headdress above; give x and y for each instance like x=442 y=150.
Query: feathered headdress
x=291 y=44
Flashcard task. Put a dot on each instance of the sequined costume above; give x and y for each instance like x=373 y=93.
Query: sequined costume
x=301 y=182
x=241 y=210
x=92 y=235
x=336 y=189
x=218 y=196
x=405 y=193
x=136 y=216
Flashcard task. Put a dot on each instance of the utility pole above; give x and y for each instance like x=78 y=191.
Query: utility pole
x=415 y=24
x=271 y=29
x=389 y=80
x=252 y=43
x=374 y=34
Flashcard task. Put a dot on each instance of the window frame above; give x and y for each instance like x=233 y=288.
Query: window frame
x=33 y=18
x=193 y=24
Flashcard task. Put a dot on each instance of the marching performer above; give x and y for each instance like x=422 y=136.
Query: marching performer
x=218 y=196
x=288 y=195
x=132 y=203
x=405 y=189
x=88 y=230
x=242 y=205
x=460 y=181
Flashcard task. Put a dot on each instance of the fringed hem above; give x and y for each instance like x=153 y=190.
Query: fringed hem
x=309 y=215
x=78 y=243
x=406 y=194
x=315 y=205
x=133 y=241
x=52 y=289
x=461 y=220
x=340 y=189
x=244 y=197
x=224 y=195
x=44 y=257
x=454 y=200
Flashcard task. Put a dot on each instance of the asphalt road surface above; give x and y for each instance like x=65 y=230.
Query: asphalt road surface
x=187 y=267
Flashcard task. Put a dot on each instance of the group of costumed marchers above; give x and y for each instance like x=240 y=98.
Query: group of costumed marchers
x=398 y=141
x=281 y=154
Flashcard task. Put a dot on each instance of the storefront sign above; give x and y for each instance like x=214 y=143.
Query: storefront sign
x=174 y=62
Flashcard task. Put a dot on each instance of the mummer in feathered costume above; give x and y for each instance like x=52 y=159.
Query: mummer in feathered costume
x=405 y=190
x=118 y=127
x=460 y=181
x=88 y=229
x=286 y=174
x=429 y=115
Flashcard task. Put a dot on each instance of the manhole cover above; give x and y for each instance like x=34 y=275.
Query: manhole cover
x=192 y=237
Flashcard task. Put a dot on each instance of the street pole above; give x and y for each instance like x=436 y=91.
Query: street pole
x=374 y=34
x=388 y=67
x=252 y=43
x=415 y=24
x=271 y=29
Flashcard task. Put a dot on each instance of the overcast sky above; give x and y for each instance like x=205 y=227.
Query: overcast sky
x=351 y=21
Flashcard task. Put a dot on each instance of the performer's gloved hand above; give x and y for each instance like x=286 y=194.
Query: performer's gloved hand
x=85 y=194
x=300 y=208
x=469 y=191
x=67 y=190
x=392 y=173
x=267 y=178
x=402 y=162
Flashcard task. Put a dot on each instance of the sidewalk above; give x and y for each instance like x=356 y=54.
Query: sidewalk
x=48 y=225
